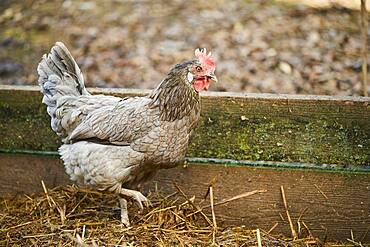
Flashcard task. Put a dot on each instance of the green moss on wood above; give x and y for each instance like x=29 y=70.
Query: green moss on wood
x=24 y=124
x=279 y=139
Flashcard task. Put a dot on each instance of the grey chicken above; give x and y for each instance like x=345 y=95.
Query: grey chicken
x=115 y=144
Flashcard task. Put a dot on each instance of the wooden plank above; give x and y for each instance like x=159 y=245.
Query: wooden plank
x=288 y=128
x=22 y=174
x=331 y=204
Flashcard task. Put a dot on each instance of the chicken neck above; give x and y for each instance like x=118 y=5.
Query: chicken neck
x=175 y=98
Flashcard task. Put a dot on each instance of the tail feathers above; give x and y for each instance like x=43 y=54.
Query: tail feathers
x=59 y=75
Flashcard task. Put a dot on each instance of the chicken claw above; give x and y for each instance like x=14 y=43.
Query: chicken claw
x=136 y=196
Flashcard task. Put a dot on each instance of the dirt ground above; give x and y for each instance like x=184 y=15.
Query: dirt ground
x=260 y=46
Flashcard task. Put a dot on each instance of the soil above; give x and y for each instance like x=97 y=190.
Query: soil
x=260 y=46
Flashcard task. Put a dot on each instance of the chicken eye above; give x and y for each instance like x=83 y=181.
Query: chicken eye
x=198 y=69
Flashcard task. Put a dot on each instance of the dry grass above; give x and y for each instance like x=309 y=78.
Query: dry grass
x=70 y=216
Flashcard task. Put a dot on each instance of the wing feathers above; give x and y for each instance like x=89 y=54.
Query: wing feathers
x=121 y=123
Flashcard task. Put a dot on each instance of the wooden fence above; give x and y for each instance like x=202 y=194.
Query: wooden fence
x=317 y=147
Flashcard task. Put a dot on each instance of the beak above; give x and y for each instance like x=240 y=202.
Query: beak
x=212 y=77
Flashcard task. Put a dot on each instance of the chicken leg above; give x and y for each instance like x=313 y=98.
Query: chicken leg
x=124 y=213
x=136 y=196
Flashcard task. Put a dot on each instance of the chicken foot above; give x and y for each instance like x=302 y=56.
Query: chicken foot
x=136 y=196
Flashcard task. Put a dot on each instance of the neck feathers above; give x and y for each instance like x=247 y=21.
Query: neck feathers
x=175 y=98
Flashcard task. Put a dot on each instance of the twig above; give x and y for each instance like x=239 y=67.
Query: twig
x=211 y=183
x=354 y=242
x=161 y=210
x=294 y=233
x=299 y=220
x=13 y=227
x=78 y=204
x=214 y=237
x=39 y=235
x=46 y=193
x=302 y=213
x=183 y=231
x=34 y=243
x=155 y=211
x=281 y=217
x=62 y=211
x=308 y=229
x=246 y=194
x=192 y=203
x=322 y=193
x=259 y=237
x=364 y=46
x=212 y=207
x=178 y=216
x=83 y=232
x=120 y=240
x=213 y=216
x=272 y=228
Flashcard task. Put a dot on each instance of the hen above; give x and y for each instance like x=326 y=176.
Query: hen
x=115 y=144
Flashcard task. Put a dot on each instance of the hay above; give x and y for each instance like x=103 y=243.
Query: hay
x=70 y=216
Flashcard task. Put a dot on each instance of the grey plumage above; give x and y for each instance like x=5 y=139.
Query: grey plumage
x=112 y=143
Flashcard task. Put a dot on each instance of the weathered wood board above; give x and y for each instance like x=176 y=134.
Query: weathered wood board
x=288 y=128
x=331 y=204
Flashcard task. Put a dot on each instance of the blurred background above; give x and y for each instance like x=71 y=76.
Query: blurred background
x=290 y=46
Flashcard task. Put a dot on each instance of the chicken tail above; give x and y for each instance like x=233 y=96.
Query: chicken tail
x=59 y=75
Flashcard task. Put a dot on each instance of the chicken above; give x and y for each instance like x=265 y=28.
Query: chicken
x=116 y=144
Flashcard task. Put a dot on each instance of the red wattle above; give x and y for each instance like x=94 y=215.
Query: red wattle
x=201 y=84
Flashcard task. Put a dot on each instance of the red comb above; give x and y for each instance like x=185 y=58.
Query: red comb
x=208 y=62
